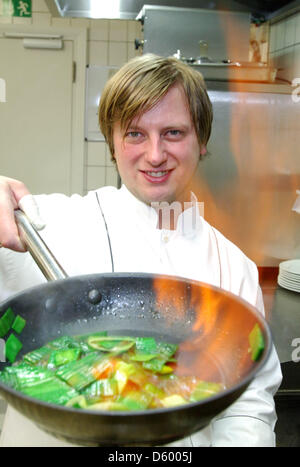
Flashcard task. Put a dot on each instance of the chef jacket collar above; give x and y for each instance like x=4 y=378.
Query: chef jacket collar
x=189 y=221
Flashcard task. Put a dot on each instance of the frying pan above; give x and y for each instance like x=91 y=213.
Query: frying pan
x=210 y=325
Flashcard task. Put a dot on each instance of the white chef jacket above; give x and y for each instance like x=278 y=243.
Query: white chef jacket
x=109 y=230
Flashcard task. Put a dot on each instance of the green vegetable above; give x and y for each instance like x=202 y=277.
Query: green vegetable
x=77 y=402
x=25 y=375
x=6 y=322
x=9 y=379
x=257 y=343
x=100 y=372
x=146 y=345
x=64 y=342
x=12 y=348
x=51 y=390
x=105 y=387
x=158 y=365
x=205 y=389
x=154 y=355
x=136 y=400
x=166 y=350
x=142 y=357
x=39 y=383
x=111 y=344
x=61 y=357
x=18 y=324
x=145 y=349
x=83 y=340
x=39 y=356
x=123 y=372
x=80 y=374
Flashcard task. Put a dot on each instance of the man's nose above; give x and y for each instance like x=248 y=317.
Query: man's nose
x=156 y=153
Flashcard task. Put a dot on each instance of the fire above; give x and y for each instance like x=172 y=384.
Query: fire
x=175 y=298
x=220 y=325
x=170 y=298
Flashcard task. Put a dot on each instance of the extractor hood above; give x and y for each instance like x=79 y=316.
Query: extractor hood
x=129 y=9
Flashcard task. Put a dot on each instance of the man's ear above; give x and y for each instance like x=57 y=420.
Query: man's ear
x=203 y=150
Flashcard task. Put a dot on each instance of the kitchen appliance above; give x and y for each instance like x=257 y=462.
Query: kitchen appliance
x=167 y=29
x=237 y=71
x=128 y=9
x=216 y=42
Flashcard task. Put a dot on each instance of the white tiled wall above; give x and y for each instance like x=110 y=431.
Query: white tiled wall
x=285 y=47
x=110 y=42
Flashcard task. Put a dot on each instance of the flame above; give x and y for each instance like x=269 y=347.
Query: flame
x=170 y=298
x=218 y=337
x=206 y=309
x=174 y=298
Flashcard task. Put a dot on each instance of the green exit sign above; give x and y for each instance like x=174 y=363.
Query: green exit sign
x=20 y=8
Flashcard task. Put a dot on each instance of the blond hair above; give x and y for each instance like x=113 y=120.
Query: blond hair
x=141 y=83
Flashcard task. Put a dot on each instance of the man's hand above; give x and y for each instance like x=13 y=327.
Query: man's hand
x=14 y=195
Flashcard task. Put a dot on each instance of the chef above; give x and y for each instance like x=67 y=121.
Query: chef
x=156 y=117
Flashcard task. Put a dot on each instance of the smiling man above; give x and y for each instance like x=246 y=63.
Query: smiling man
x=158 y=153
x=156 y=117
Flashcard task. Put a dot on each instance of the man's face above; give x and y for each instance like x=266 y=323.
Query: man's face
x=159 y=152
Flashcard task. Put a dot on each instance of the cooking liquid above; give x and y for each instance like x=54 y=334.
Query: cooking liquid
x=197 y=365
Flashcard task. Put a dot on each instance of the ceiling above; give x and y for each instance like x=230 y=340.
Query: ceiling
x=266 y=6
x=128 y=9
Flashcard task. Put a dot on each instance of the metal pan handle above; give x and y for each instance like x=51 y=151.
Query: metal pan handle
x=39 y=251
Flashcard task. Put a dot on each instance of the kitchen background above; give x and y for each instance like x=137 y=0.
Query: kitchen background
x=249 y=179
x=109 y=43
x=50 y=149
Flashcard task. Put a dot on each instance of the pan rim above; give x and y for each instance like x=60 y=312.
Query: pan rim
x=244 y=383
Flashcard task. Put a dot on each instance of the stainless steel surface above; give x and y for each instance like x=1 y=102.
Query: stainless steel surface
x=236 y=71
x=129 y=8
x=38 y=249
x=250 y=176
x=168 y=29
x=284 y=321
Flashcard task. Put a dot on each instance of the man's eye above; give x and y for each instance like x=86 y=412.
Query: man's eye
x=133 y=134
x=174 y=133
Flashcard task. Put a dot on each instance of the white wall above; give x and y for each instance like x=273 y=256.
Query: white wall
x=285 y=47
x=110 y=42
